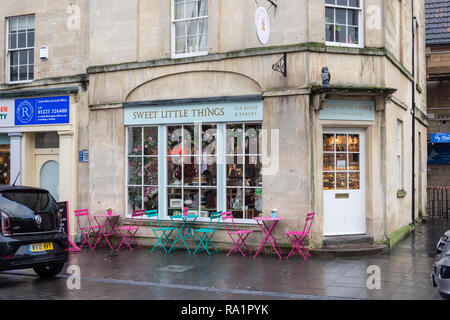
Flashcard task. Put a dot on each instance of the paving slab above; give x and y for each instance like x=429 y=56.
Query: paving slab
x=142 y=275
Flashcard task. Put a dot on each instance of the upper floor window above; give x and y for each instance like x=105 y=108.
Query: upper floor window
x=399 y=155
x=343 y=22
x=189 y=28
x=20 y=55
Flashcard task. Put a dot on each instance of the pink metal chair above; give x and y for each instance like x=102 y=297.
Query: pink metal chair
x=238 y=236
x=128 y=232
x=297 y=237
x=87 y=229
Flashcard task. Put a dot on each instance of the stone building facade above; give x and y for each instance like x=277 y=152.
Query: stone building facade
x=438 y=74
x=220 y=106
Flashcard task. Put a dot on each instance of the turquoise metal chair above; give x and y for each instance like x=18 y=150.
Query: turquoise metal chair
x=165 y=232
x=208 y=233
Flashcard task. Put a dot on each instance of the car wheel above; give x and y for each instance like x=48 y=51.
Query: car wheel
x=49 y=271
x=445 y=296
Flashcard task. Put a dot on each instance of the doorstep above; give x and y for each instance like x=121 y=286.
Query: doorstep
x=345 y=241
x=350 y=251
x=349 y=246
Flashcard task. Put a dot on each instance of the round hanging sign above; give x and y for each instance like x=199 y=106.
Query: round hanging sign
x=262 y=23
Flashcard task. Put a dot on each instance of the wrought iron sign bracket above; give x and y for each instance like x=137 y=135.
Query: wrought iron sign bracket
x=272 y=4
x=281 y=65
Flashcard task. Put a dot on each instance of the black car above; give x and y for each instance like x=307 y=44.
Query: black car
x=32 y=231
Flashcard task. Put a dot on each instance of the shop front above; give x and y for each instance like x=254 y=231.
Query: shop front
x=38 y=140
x=348 y=151
x=201 y=154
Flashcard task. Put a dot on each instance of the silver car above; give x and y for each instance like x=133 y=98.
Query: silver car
x=440 y=276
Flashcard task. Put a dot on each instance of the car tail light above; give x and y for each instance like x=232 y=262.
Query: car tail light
x=59 y=221
x=6 y=225
x=445 y=272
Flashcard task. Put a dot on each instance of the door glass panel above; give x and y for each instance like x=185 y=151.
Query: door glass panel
x=353 y=161
x=353 y=143
x=341 y=180
x=341 y=161
x=328 y=161
x=354 y=180
x=341 y=143
x=328 y=142
x=328 y=180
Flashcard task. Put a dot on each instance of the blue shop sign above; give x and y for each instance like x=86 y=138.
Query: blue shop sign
x=440 y=138
x=42 y=111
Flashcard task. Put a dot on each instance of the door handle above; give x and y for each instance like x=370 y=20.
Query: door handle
x=342 y=195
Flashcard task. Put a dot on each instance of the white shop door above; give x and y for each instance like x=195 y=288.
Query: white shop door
x=344 y=182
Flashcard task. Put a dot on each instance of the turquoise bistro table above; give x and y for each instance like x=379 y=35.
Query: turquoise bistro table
x=185 y=230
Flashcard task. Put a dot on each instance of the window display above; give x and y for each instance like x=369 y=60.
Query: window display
x=142 y=168
x=191 y=165
x=187 y=160
x=4 y=164
x=244 y=179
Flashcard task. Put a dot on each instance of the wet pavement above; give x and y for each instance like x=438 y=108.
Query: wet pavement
x=141 y=275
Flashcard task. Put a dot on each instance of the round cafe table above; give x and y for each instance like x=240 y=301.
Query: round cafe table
x=107 y=227
x=267 y=230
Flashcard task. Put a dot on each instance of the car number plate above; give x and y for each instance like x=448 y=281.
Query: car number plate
x=39 y=247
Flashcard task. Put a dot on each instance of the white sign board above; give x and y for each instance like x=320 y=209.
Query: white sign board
x=7 y=113
x=192 y=113
x=262 y=24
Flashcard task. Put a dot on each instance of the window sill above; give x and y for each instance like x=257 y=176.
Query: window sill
x=12 y=83
x=344 y=45
x=189 y=55
x=401 y=193
x=240 y=225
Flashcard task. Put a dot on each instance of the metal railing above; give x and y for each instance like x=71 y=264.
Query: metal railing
x=438 y=203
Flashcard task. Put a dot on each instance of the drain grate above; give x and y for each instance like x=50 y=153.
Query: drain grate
x=175 y=268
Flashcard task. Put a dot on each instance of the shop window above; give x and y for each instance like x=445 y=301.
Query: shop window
x=341 y=161
x=203 y=167
x=243 y=170
x=189 y=28
x=20 y=53
x=343 y=22
x=142 y=167
x=46 y=140
x=192 y=169
x=5 y=164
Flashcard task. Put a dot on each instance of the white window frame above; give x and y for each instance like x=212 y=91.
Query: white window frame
x=8 y=51
x=172 y=27
x=360 y=27
x=399 y=155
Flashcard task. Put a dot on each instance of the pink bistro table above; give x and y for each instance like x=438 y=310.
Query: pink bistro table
x=267 y=231
x=107 y=227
